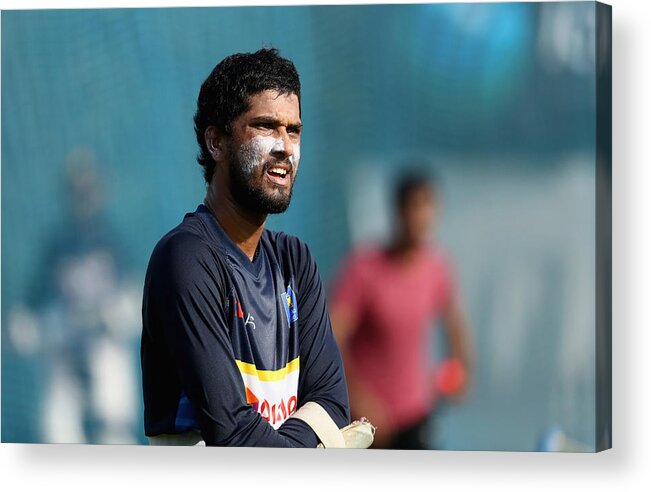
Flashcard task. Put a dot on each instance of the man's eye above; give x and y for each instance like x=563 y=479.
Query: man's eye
x=265 y=126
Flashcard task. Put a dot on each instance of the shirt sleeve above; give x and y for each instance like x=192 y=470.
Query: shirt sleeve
x=190 y=293
x=322 y=378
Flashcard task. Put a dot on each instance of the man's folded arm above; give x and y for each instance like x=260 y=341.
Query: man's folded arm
x=322 y=378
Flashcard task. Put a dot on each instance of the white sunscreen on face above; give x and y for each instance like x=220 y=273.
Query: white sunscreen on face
x=254 y=152
x=295 y=158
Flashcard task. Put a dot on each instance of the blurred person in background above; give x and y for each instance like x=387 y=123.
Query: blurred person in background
x=384 y=304
x=81 y=319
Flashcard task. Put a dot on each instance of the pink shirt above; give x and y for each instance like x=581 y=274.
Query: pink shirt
x=394 y=309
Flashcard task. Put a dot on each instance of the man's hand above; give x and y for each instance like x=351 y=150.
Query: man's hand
x=450 y=379
x=358 y=435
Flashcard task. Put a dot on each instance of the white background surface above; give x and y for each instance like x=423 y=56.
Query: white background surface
x=626 y=467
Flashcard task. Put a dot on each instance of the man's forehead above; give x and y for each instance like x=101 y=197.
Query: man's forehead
x=273 y=103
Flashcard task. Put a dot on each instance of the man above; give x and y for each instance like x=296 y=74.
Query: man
x=383 y=305
x=83 y=354
x=237 y=347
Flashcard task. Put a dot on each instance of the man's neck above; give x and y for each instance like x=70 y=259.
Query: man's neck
x=403 y=251
x=243 y=228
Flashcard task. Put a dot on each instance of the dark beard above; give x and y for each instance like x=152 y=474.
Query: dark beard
x=253 y=198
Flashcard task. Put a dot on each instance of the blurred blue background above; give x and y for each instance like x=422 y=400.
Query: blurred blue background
x=98 y=162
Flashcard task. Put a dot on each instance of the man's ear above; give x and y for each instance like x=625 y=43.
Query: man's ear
x=214 y=142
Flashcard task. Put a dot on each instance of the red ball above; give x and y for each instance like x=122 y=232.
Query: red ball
x=450 y=377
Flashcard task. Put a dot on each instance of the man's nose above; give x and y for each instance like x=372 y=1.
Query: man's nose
x=283 y=147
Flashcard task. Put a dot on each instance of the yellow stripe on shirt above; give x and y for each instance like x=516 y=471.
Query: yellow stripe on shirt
x=264 y=375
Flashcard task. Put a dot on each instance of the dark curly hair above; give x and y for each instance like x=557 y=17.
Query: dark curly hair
x=411 y=180
x=224 y=95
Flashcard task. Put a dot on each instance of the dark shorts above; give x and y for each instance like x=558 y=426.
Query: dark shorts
x=416 y=436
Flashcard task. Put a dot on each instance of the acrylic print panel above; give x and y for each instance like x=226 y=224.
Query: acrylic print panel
x=478 y=313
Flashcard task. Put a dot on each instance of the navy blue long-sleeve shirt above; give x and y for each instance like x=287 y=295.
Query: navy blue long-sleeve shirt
x=232 y=347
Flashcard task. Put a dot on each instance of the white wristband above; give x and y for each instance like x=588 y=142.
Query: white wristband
x=323 y=426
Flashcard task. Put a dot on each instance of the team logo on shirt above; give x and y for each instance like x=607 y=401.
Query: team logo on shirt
x=289 y=302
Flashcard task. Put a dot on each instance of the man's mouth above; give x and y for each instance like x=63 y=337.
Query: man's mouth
x=279 y=175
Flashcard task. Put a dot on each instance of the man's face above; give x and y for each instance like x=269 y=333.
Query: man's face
x=418 y=215
x=263 y=152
